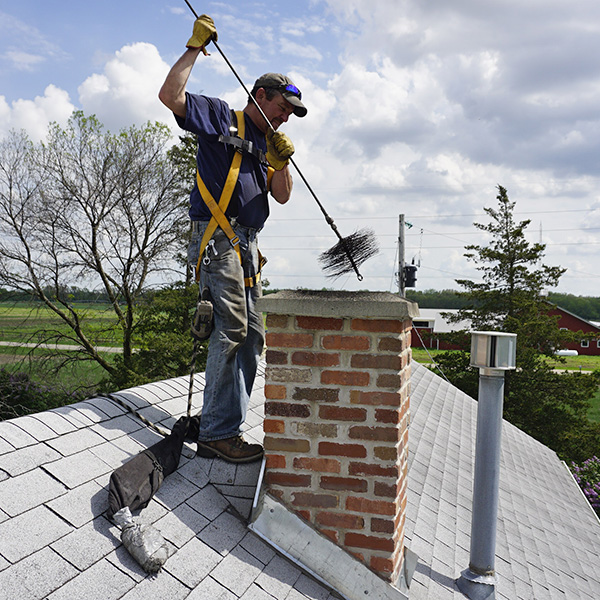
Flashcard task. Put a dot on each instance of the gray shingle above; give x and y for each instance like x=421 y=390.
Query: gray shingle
x=87 y=545
x=102 y=581
x=24 y=492
x=14 y=435
x=80 y=505
x=209 y=588
x=194 y=562
x=237 y=571
x=36 y=576
x=29 y=532
x=179 y=526
x=28 y=458
x=77 y=469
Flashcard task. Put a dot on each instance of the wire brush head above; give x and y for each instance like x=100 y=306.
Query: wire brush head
x=349 y=253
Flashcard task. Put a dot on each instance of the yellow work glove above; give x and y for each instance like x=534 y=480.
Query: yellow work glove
x=279 y=149
x=204 y=32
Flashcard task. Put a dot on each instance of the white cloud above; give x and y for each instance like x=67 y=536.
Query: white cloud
x=23 y=61
x=126 y=92
x=35 y=115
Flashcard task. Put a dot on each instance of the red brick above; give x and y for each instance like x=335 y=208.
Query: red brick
x=353 y=378
x=289 y=340
x=379 y=434
x=375 y=398
x=288 y=479
x=273 y=426
x=333 y=449
x=345 y=342
x=276 y=357
x=316 y=394
x=358 y=540
x=389 y=381
x=373 y=507
x=384 y=566
x=384 y=415
x=385 y=453
x=275 y=461
x=319 y=323
x=275 y=392
x=286 y=445
x=361 y=468
x=315 y=359
x=339 y=520
x=287 y=409
x=314 y=500
x=385 y=490
x=343 y=483
x=277 y=321
x=332 y=534
x=390 y=344
x=382 y=525
x=321 y=465
x=378 y=325
x=376 y=361
x=341 y=413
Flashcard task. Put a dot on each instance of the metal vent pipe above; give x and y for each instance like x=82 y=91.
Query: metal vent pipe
x=493 y=353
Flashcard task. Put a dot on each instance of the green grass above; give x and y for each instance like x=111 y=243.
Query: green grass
x=22 y=322
x=40 y=365
x=594 y=412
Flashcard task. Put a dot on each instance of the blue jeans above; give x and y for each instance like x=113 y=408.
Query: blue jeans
x=237 y=340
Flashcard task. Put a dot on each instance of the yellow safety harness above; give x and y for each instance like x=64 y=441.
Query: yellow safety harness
x=217 y=211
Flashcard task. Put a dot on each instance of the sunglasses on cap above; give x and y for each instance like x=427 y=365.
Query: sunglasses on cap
x=292 y=89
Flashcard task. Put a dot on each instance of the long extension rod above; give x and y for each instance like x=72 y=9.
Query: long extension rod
x=253 y=99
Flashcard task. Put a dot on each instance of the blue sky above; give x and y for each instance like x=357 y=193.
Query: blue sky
x=415 y=108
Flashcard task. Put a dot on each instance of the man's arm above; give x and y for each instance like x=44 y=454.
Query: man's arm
x=281 y=185
x=172 y=92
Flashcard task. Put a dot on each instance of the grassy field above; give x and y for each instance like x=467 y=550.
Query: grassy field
x=21 y=322
x=570 y=363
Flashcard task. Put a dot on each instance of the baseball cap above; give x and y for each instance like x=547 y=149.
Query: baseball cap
x=287 y=88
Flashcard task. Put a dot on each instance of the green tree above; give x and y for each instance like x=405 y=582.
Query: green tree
x=551 y=407
x=89 y=206
x=165 y=344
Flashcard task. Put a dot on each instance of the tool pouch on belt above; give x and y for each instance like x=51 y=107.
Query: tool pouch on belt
x=202 y=323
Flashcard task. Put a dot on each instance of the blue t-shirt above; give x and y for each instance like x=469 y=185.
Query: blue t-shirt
x=208 y=118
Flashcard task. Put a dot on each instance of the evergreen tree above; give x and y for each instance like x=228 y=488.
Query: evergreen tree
x=550 y=406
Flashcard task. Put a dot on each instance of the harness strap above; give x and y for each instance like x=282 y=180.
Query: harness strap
x=245 y=146
x=218 y=218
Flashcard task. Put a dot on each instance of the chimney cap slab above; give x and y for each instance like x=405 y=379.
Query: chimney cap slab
x=341 y=304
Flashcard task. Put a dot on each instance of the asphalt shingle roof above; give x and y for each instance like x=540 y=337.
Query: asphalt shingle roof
x=55 y=541
x=548 y=537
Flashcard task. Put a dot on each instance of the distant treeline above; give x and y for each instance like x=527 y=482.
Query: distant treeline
x=586 y=307
x=69 y=294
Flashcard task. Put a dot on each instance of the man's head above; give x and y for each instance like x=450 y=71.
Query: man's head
x=276 y=82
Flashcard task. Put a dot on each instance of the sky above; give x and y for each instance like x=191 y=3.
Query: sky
x=415 y=108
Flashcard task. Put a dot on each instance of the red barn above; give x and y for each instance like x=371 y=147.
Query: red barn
x=567 y=320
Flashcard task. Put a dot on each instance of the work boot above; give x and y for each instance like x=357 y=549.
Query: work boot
x=233 y=449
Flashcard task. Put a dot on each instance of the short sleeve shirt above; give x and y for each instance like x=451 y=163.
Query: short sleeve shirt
x=209 y=118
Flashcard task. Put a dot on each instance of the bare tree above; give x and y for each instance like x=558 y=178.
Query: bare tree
x=89 y=206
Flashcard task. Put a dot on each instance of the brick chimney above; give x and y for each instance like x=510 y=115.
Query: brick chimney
x=336 y=417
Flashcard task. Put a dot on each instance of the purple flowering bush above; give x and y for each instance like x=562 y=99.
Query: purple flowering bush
x=587 y=476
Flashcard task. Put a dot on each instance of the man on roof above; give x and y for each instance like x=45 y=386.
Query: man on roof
x=241 y=159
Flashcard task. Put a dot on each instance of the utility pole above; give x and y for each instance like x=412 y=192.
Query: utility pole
x=401 y=280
